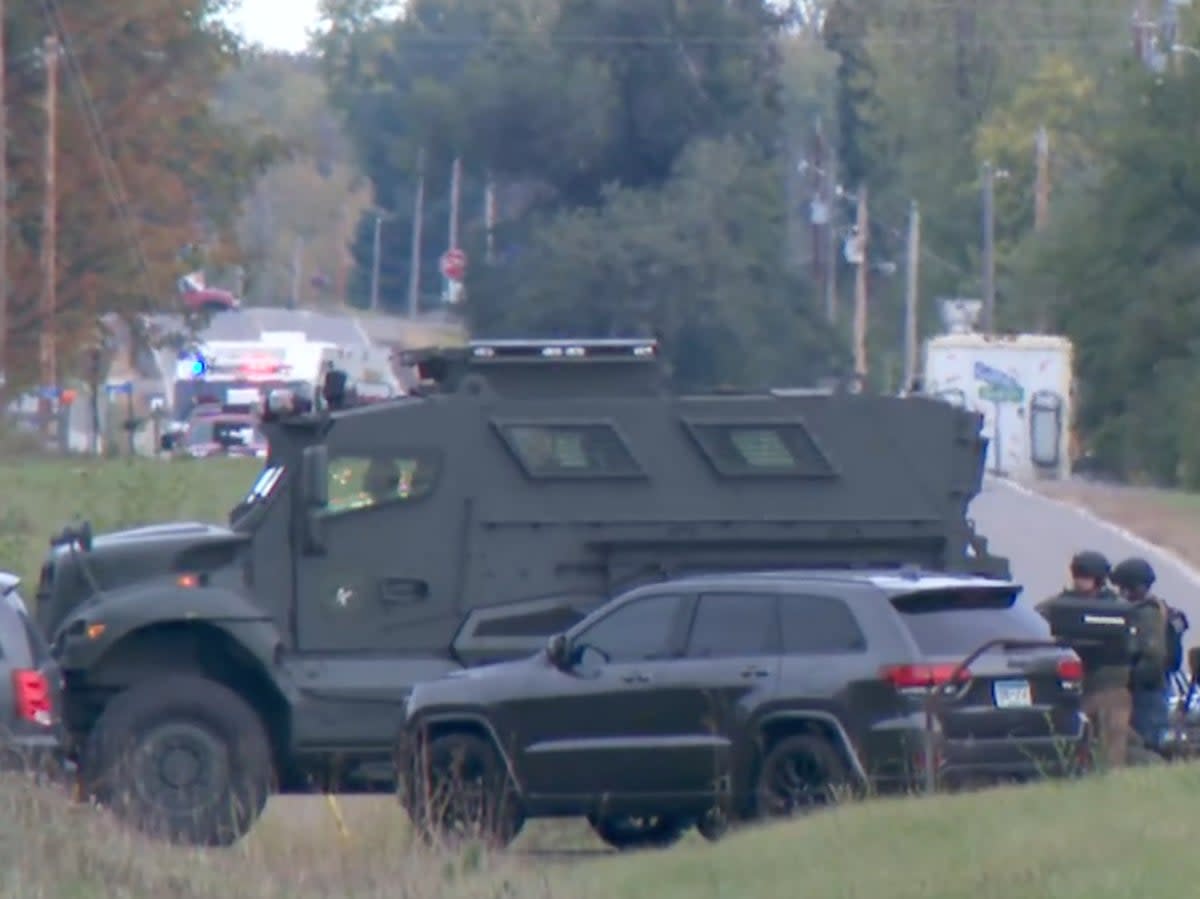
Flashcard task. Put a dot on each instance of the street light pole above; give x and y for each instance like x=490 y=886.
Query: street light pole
x=375 y=253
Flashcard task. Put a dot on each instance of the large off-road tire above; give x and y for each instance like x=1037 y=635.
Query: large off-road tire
x=639 y=832
x=460 y=791
x=798 y=774
x=183 y=759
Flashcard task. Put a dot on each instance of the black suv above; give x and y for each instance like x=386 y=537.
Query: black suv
x=716 y=698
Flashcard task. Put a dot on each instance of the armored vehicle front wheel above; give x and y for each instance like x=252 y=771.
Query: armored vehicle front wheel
x=798 y=774
x=181 y=758
x=461 y=791
x=639 y=831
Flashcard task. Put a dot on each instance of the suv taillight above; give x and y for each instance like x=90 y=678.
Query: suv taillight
x=1070 y=672
x=922 y=677
x=31 y=694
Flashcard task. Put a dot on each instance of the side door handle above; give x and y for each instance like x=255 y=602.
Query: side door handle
x=635 y=677
x=395 y=591
x=755 y=671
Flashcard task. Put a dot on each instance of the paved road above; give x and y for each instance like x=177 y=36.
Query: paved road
x=1039 y=536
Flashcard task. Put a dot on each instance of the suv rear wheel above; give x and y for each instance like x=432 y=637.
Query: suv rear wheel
x=798 y=774
x=639 y=831
x=461 y=791
x=182 y=758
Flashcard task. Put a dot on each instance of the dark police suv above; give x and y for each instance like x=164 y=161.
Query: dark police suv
x=730 y=696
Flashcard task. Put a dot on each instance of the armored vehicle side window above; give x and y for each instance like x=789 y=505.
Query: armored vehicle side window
x=364 y=481
x=819 y=625
x=729 y=624
x=742 y=449
x=638 y=631
x=569 y=450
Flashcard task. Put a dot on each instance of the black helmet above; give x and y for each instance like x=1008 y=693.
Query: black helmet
x=1090 y=563
x=1133 y=573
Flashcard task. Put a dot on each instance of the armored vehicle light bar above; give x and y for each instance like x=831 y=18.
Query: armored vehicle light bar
x=557 y=350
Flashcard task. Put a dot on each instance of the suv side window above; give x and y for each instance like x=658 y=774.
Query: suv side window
x=730 y=625
x=818 y=625
x=637 y=631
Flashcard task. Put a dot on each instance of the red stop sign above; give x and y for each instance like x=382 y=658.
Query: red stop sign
x=454 y=264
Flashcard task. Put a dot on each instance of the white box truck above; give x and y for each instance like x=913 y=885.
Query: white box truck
x=1023 y=385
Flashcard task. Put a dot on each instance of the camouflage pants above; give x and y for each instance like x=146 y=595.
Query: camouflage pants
x=1110 y=710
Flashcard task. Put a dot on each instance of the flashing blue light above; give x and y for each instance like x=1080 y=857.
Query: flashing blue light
x=199 y=367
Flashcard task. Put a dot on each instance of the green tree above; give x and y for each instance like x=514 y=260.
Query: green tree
x=1122 y=259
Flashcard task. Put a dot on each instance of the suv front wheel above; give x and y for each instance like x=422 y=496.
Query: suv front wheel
x=461 y=791
x=798 y=774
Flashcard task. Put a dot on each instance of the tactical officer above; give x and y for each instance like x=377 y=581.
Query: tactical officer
x=1107 y=700
x=1148 y=677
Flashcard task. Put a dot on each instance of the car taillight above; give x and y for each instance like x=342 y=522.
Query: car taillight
x=1070 y=671
x=31 y=693
x=922 y=677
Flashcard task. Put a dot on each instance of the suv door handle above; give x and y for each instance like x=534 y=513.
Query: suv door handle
x=635 y=677
x=755 y=671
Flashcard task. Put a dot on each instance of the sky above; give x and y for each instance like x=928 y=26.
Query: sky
x=276 y=24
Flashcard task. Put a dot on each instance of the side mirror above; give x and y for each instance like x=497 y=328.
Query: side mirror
x=315 y=490
x=558 y=651
x=314 y=532
x=316 y=476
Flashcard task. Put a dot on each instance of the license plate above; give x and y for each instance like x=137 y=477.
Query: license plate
x=1012 y=694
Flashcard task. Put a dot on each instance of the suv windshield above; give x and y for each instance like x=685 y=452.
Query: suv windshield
x=959 y=621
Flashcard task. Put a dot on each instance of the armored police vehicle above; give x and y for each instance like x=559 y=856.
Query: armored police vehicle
x=389 y=543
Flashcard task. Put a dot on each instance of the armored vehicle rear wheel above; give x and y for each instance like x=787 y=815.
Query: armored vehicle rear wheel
x=797 y=775
x=639 y=831
x=461 y=792
x=181 y=758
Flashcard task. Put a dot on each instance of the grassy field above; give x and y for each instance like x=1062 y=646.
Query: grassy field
x=1114 y=836
x=37 y=498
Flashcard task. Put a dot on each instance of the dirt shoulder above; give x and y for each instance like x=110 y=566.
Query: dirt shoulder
x=1168 y=518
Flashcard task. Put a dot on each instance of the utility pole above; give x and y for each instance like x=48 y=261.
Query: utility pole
x=911 y=301
x=989 y=254
x=489 y=217
x=1041 y=209
x=297 y=271
x=860 y=289
x=455 y=199
x=831 y=205
x=1041 y=202
x=414 y=271
x=3 y=201
x=376 y=251
x=49 y=367
x=818 y=216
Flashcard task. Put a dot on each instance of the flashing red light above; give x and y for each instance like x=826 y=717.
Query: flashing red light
x=31 y=693
x=1070 y=669
x=910 y=677
x=258 y=366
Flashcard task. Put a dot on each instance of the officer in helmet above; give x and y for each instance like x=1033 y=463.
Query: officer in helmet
x=1148 y=677
x=1107 y=700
